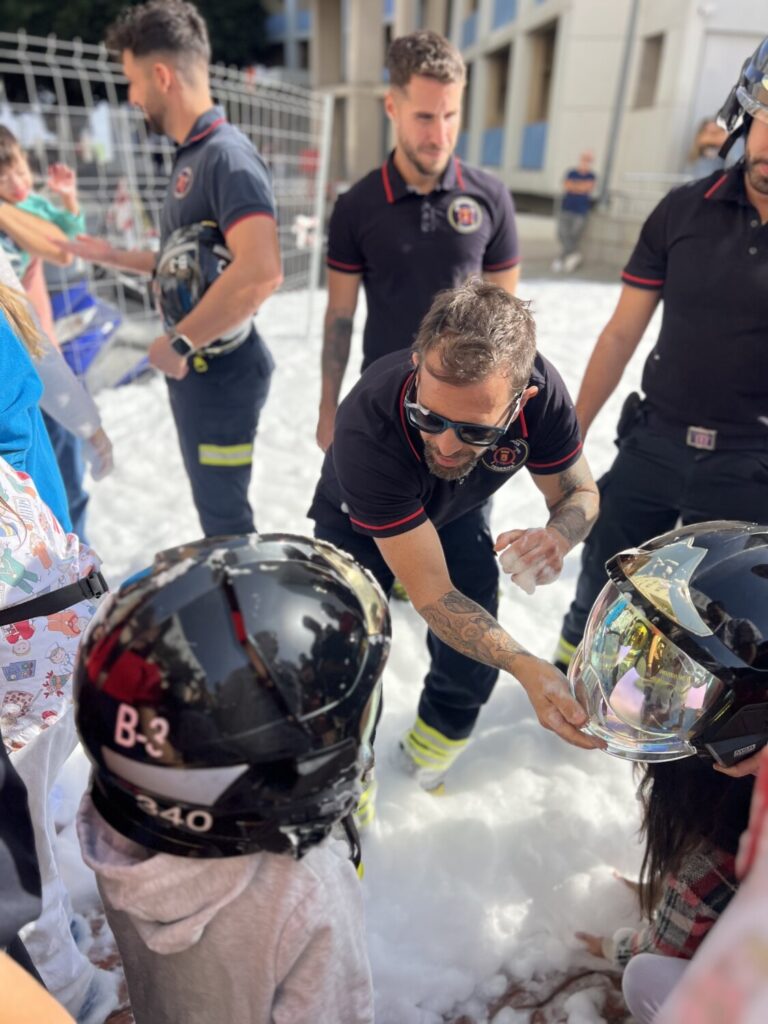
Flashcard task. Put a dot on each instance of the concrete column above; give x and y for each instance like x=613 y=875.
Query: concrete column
x=325 y=50
x=365 y=65
x=406 y=17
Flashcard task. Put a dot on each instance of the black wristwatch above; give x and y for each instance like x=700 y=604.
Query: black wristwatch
x=180 y=343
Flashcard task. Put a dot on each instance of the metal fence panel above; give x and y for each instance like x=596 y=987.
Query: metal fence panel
x=67 y=102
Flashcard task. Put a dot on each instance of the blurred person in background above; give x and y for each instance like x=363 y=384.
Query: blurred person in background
x=704 y=156
x=695 y=447
x=31 y=225
x=573 y=211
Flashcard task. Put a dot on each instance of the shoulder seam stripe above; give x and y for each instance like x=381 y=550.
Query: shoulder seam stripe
x=387 y=526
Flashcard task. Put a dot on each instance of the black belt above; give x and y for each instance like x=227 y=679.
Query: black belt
x=704 y=439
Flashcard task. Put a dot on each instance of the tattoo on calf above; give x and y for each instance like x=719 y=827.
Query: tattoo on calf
x=470 y=629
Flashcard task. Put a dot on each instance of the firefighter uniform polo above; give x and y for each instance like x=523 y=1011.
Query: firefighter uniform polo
x=409 y=246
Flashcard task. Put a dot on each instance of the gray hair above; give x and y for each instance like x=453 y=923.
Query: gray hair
x=477 y=331
x=425 y=53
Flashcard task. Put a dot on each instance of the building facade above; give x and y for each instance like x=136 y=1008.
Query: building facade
x=628 y=79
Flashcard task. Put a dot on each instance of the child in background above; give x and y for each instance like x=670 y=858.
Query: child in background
x=225 y=697
x=673 y=672
x=31 y=226
x=728 y=978
x=692 y=820
x=44 y=570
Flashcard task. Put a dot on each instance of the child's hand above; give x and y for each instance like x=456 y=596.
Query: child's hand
x=594 y=943
x=62 y=181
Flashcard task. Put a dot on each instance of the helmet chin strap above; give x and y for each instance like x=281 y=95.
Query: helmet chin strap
x=737 y=133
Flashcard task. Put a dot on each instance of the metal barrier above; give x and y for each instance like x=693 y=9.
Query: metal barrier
x=67 y=102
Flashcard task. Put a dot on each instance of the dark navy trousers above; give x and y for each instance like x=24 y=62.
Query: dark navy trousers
x=456 y=687
x=656 y=480
x=216 y=408
x=69 y=455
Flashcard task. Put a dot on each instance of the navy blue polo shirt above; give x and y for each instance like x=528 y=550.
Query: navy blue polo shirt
x=578 y=202
x=374 y=478
x=217 y=175
x=409 y=246
x=704 y=249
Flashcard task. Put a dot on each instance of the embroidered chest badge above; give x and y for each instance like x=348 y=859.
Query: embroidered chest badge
x=465 y=215
x=183 y=182
x=507 y=457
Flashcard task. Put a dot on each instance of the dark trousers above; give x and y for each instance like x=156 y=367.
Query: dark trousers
x=655 y=481
x=456 y=687
x=216 y=408
x=69 y=455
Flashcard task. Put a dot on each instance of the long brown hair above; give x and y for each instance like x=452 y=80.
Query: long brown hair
x=16 y=308
x=687 y=804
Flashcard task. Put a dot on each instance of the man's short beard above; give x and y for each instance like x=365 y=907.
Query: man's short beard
x=448 y=472
x=427 y=172
x=154 y=124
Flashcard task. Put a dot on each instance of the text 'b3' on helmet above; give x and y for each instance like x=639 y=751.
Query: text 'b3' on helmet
x=223 y=695
x=674 y=660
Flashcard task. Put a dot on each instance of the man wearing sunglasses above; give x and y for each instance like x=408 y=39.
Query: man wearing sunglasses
x=422 y=441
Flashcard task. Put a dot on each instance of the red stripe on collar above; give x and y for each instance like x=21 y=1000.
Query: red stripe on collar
x=387 y=187
x=459 y=175
x=206 y=131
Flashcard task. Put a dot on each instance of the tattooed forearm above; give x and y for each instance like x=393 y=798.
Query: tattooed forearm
x=471 y=630
x=576 y=511
x=336 y=343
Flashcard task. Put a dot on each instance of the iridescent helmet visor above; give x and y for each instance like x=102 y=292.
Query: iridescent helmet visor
x=754 y=100
x=644 y=696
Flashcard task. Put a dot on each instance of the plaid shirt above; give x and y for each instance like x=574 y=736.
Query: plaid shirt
x=690 y=904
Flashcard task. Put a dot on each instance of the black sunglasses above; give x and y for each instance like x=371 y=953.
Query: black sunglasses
x=479 y=435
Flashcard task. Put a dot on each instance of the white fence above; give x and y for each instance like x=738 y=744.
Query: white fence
x=67 y=102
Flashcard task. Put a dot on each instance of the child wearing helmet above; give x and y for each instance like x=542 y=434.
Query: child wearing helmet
x=673 y=671
x=224 y=697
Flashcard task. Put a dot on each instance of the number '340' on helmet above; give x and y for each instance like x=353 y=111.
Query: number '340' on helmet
x=224 y=695
x=674 y=660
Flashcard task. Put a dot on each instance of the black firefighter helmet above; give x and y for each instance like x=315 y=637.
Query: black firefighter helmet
x=193 y=257
x=674 y=659
x=747 y=99
x=223 y=694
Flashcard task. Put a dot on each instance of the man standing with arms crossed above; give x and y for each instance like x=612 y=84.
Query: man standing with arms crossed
x=217 y=395
x=419 y=224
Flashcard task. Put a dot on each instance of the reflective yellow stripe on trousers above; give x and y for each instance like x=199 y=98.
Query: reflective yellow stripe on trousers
x=225 y=454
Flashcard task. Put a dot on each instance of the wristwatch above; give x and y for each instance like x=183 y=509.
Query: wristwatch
x=180 y=343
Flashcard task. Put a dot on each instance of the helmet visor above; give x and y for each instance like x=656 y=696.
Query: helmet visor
x=631 y=675
x=754 y=100
x=621 y=739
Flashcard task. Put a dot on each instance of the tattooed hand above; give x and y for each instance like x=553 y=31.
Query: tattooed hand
x=551 y=699
x=470 y=629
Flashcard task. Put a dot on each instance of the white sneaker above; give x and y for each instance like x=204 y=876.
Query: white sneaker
x=557 y=265
x=572 y=261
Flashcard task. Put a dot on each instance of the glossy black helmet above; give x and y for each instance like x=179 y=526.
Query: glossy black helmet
x=674 y=660
x=748 y=98
x=223 y=694
x=191 y=260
